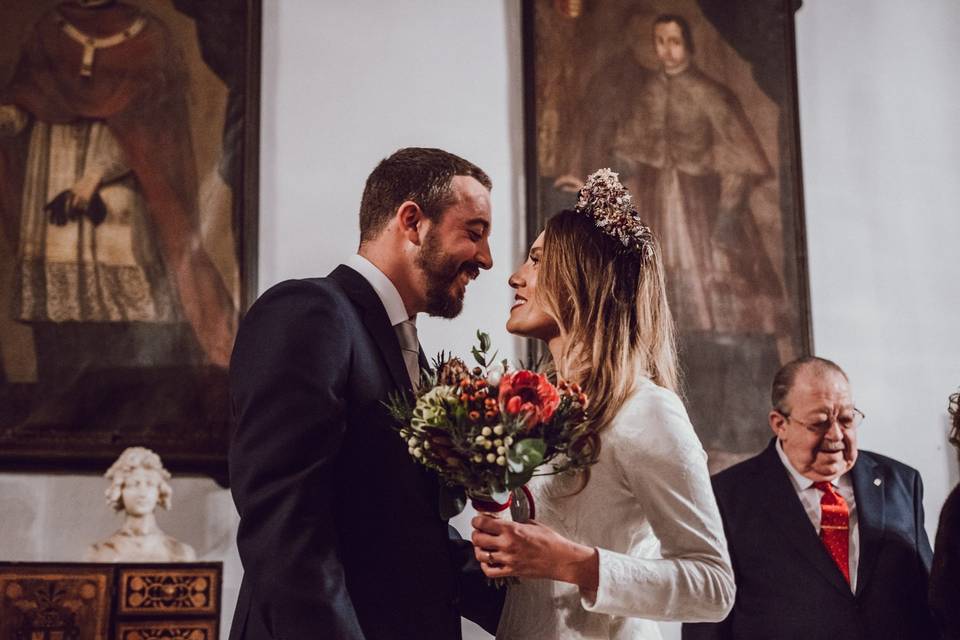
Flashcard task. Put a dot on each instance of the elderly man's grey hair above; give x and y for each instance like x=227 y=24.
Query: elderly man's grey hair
x=131 y=459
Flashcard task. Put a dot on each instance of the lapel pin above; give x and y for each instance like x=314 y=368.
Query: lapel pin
x=876 y=482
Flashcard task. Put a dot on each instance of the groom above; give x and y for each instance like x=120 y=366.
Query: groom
x=340 y=533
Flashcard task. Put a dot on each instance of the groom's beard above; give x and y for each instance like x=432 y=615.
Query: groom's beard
x=442 y=272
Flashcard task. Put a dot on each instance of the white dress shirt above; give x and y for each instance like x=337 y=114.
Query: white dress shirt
x=810 y=499
x=386 y=291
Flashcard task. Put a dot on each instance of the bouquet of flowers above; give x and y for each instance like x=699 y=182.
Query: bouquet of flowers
x=487 y=430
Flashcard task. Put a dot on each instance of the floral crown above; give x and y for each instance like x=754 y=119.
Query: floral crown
x=607 y=202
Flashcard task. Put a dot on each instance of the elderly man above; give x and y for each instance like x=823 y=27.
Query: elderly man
x=826 y=541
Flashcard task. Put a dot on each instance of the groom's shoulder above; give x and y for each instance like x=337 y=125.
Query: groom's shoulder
x=304 y=286
x=328 y=286
x=301 y=297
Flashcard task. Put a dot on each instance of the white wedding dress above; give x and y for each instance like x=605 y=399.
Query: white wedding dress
x=650 y=511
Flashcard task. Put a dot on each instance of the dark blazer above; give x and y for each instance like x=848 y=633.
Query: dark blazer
x=787 y=584
x=945 y=574
x=340 y=533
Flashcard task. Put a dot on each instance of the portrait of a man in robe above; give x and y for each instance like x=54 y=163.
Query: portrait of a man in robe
x=684 y=102
x=120 y=284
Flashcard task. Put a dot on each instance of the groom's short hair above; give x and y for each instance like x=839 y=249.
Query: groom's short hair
x=417 y=174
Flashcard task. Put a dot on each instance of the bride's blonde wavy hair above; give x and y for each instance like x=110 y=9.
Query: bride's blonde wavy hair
x=610 y=304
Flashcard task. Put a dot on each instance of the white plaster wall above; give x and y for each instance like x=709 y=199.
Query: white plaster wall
x=880 y=127
x=347 y=83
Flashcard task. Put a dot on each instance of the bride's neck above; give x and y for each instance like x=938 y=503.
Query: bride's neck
x=557 y=345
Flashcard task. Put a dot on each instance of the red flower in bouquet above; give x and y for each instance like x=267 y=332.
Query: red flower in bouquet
x=528 y=393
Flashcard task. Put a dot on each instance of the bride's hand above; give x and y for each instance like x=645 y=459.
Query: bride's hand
x=532 y=550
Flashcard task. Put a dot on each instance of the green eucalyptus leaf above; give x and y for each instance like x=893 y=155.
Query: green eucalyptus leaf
x=528 y=452
x=520 y=478
x=479 y=357
x=484 y=341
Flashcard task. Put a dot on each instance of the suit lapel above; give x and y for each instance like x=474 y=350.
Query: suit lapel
x=779 y=500
x=868 y=489
x=375 y=319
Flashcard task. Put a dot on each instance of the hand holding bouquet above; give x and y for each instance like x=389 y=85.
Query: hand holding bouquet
x=487 y=430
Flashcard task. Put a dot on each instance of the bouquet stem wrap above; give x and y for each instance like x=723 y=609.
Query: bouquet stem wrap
x=488 y=506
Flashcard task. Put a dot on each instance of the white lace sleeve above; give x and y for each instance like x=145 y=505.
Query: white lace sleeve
x=665 y=467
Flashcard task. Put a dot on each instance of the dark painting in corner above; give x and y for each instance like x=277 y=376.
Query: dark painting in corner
x=694 y=104
x=128 y=147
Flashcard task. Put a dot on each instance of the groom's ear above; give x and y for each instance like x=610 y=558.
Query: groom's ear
x=410 y=221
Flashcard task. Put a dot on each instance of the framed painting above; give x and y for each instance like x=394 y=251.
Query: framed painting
x=694 y=104
x=128 y=195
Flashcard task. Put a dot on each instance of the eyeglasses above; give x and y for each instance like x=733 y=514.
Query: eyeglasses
x=847 y=420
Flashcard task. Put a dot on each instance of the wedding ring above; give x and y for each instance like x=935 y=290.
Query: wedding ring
x=490 y=557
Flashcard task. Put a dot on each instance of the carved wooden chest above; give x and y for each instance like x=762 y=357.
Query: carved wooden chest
x=74 y=601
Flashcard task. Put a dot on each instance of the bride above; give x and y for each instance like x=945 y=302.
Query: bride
x=638 y=537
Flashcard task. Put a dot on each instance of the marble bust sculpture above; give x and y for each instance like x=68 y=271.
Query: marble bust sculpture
x=138 y=484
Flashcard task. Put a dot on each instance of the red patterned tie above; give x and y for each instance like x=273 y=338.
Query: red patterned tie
x=835 y=526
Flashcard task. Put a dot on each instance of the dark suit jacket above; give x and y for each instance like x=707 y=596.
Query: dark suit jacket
x=945 y=574
x=787 y=584
x=340 y=532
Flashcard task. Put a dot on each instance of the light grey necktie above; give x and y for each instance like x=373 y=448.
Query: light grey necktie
x=410 y=347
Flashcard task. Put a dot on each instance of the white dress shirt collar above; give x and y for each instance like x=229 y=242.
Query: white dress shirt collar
x=386 y=290
x=800 y=482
